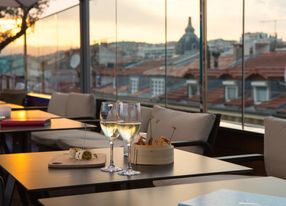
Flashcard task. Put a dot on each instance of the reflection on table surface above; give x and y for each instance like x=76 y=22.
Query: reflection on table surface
x=31 y=114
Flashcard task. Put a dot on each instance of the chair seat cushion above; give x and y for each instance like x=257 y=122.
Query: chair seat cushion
x=51 y=138
x=87 y=143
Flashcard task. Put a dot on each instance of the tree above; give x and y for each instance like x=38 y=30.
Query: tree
x=24 y=17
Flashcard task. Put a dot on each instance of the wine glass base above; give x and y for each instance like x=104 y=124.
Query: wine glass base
x=111 y=169
x=129 y=172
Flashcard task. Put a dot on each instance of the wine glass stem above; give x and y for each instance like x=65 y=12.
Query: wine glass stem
x=111 y=153
x=129 y=167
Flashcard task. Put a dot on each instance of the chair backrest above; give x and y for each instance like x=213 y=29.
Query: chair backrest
x=13 y=96
x=57 y=104
x=80 y=105
x=146 y=114
x=274 y=146
x=213 y=134
x=72 y=105
x=182 y=126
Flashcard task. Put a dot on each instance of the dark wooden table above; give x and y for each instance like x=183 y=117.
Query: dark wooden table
x=13 y=106
x=57 y=122
x=32 y=172
x=21 y=135
x=170 y=195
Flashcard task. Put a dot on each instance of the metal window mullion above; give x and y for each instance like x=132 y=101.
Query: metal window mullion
x=85 y=71
x=203 y=56
x=243 y=67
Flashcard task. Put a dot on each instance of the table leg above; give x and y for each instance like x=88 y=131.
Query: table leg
x=9 y=189
x=21 y=142
x=3 y=146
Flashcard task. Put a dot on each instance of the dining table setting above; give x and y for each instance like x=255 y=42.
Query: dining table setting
x=81 y=170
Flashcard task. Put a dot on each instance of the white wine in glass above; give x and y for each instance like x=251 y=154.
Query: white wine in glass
x=128 y=130
x=128 y=127
x=108 y=123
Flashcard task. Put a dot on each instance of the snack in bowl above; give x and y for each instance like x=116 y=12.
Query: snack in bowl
x=155 y=151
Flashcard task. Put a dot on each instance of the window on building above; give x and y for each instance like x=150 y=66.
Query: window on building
x=231 y=90
x=260 y=91
x=193 y=88
x=134 y=84
x=158 y=86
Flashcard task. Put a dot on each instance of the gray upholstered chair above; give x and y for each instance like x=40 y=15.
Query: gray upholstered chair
x=274 y=147
x=96 y=140
x=72 y=105
x=182 y=127
x=274 y=161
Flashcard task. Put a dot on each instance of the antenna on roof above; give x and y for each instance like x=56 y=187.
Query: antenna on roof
x=274 y=21
x=285 y=74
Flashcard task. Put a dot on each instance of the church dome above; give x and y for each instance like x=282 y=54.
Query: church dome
x=189 y=42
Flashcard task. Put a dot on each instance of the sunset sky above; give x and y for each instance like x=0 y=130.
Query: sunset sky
x=143 y=20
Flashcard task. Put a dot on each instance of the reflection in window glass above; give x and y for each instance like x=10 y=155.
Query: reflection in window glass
x=53 y=53
x=12 y=66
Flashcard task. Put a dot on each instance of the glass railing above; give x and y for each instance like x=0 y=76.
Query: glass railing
x=53 y=53
x=149 y=51
x=12 y=75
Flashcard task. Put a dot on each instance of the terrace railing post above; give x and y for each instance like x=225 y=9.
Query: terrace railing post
x=203 y=56
x=85 y=71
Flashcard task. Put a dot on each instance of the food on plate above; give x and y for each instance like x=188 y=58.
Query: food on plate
x=81 y=154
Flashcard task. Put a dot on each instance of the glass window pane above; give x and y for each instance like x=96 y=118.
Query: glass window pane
x=12 y=66
x=183 y=35
x=224 y=58
x=53 y=53
x=141 y=49
x=103 y=48
x=265 y=59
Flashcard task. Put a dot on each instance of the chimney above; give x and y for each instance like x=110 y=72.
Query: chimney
x=237 y=51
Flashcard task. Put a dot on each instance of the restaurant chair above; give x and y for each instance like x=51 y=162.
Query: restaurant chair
x=88 y=139
x=274 y=147
x=274 y=160
x=192 y=132
x=76 y=106
x=13 y=96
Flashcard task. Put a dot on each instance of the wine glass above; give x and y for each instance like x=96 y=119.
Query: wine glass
x=128 y=127
x=108 y=123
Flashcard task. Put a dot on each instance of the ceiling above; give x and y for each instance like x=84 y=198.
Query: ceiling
x=13 y=3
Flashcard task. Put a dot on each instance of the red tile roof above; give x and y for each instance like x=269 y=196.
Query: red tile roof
x=248 y=101
x=274 y=103
x=215 y=96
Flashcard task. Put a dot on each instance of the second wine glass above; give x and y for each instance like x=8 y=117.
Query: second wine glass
x=108 y=123
x=128 y=127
